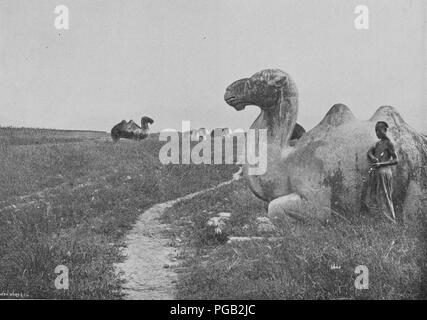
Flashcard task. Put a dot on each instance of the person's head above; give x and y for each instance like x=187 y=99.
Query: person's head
x=381 y=129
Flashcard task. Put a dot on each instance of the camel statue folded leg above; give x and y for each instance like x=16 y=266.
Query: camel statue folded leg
x=325 y=169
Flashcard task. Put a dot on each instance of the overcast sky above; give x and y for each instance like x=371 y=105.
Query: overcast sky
x=172 y=60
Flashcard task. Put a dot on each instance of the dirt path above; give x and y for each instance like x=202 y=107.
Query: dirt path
x=149 y=267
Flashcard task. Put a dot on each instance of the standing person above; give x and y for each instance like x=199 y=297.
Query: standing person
x=382 y=156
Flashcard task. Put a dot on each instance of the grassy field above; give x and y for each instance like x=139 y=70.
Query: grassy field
x=298 y=263
x=27 y=136
x=72 y=203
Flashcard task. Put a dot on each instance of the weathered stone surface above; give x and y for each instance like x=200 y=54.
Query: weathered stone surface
x=326 y=168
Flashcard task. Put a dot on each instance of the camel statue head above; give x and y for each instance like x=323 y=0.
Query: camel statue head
x=276 y=94
x=263 y=89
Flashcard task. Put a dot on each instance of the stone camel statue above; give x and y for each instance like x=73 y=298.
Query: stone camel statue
x=324 y=171
x=130 y=130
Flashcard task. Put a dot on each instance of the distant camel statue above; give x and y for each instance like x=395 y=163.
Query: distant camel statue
x=130 y=130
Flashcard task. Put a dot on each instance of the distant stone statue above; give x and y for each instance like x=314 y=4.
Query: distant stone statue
x=130 y=130
x=324 y=170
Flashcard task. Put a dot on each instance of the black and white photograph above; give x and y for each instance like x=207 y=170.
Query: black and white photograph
x=221 y=150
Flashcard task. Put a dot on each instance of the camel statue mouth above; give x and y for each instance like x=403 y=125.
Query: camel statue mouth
x=236 y=103
x=230 y=100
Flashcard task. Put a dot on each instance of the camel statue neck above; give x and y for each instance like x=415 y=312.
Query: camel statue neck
x=144 y=125
x=280 y=120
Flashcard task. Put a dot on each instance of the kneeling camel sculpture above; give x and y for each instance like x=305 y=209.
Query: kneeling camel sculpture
x=130 y=130
x=326 y=168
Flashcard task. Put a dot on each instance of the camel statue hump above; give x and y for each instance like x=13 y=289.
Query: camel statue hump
x=338 y=115
x=388 y=114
